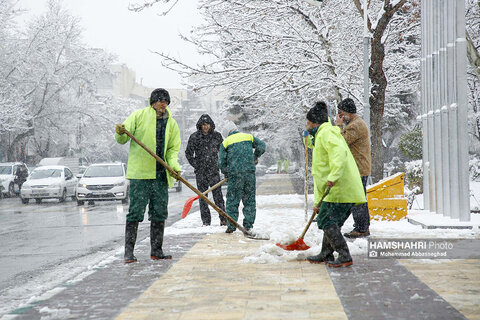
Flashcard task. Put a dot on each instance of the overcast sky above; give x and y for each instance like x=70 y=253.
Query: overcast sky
x=110 y=25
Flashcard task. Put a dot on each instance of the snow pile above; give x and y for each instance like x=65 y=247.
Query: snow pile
x=50 y=314
x=282 y=219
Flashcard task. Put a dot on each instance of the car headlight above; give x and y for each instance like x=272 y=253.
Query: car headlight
x=119 y=184
x=82 y=185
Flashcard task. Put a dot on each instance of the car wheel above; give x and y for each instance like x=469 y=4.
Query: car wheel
x=11 y=192
x=91 y=202
x=25 y=201
x=74 y=198
x=80 y=202
x=64 y=196
x=38 y=200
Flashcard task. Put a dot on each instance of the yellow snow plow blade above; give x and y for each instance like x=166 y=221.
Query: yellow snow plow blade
x=386 y=199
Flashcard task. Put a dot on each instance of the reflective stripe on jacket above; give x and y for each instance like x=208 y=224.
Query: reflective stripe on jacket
x=142 y=124
x=236 y=153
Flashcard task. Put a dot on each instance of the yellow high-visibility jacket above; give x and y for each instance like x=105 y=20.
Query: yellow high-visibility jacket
x=333 y=161
x=142 y=124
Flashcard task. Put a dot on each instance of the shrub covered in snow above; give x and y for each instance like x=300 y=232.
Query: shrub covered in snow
x=410 y=144
x=414 y=175
x=474 y=169
x=413 y=180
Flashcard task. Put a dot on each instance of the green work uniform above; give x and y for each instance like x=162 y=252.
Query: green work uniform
x=236 y=160
x=148 y=183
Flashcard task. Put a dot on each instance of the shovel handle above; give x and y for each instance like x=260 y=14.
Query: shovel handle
x=313 y=214
x=306 y=178
x=185 y=182
x=215 y=186
x=188 y=204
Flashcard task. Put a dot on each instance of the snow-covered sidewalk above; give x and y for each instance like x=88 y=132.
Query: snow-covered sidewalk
x=282 y=219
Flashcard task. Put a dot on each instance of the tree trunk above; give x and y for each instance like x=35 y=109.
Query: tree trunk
x=377 y=103
x=378 y=89
x=473 y=55
x=14 y=153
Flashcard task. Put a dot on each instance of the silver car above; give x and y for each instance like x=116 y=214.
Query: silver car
x=103 y=181
x=47 y=182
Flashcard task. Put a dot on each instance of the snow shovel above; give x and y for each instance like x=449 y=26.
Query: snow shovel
x=185 y=182
x=189 y=203
x=299 y=245
x=306 y=178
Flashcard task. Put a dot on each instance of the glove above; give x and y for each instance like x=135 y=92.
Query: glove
x=176 y=175
x=305 y=133
x=120 y=128
x=255 y=160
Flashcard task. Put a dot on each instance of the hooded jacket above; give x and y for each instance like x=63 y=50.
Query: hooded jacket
x=202 y=149
x=333 y=161
x=142 y=124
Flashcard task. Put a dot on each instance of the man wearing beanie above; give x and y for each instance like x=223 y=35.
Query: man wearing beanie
x=357 y=135
x=202 y=154
x=332 y=166
x=149 y=180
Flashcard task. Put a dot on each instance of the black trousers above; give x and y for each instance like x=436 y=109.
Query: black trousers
x=205 y=181
x=361 y=217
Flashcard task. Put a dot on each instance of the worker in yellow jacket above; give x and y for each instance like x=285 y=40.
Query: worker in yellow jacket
x=333 y=166
x=149 y=180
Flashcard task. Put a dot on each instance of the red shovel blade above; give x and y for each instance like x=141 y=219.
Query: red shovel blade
x=188 y=205
x=298 y=245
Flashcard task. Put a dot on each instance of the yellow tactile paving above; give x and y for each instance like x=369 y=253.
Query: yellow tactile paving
x=456 y=281
x=212 y=282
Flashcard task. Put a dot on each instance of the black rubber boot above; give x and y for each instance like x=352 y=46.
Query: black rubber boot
x=156 y=241
x=131 y=228
x=230 y=229
x=338 y=243
x=326 y=255
x=223 y=221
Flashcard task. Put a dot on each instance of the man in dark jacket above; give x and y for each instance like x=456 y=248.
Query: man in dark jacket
x=237 y=158
x=202 y=154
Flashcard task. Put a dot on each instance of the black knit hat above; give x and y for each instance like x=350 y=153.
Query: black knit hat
x=319 y=113
x=347 y=105
x=159 y=95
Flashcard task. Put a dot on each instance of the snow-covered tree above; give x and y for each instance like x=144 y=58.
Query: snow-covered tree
x=54 y=75
x=276 y=58
x=282 y=55
x=473 y=70
x=12 y=115
x=96 y=130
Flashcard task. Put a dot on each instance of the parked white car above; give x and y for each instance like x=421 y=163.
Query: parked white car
x=47 y=182
x=103 y=181
x=12 y=176
x=272 y=169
